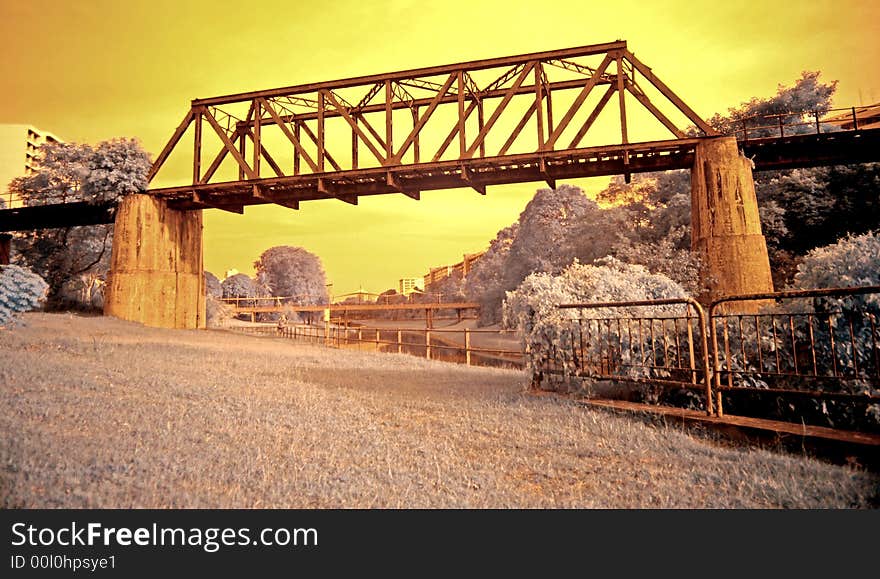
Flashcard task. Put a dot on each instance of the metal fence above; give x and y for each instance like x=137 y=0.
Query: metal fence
x=808 y=356
x=665 y=348
x=451 y=345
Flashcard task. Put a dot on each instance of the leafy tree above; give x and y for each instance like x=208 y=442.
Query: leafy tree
x=293 y=272
x=71 y=260
x=212 y=285
x=74 y=260
x=852 y=261
x=239 y=285
x=79 y=172
x=545 y=226
x=666 y=257
x=485 y=282
x=808 y=94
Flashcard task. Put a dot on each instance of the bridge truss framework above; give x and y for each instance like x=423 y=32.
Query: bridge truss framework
x=461 y=102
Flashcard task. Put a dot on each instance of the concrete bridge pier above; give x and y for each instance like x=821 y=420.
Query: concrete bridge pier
x=5 y=248
x=726 y=228
x=156 y=272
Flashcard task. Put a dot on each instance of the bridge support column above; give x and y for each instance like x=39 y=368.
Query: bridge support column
x=5 y=248
x=156 y=273
x=726 y=228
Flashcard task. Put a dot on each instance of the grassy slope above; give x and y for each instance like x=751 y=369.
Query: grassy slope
x=102 y=413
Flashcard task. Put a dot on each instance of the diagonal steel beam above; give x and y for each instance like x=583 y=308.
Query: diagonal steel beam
x=228 y=144
x=354 y=126
x=361 y=119
x=646 y=102
x=421 y=122
x=578 y=101
x=163 y=156
x=287 y=133
x=667 y=92
x=519 y=127
x=314 y=139
x=481 y=136
x=264 y=153
x=597 y=110
x=456 y=130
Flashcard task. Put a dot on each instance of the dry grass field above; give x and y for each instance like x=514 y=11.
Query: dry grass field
x=97 y=412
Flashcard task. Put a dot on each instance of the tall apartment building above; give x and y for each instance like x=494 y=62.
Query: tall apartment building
x=19 y=145
x=408 y=285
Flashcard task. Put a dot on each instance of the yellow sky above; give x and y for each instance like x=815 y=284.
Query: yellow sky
x=93 y=70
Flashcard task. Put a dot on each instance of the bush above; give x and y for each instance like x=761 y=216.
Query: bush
x=20 y=290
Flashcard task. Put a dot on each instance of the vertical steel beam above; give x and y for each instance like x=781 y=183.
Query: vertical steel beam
x=389 y=121
x=539 y=106
x=354 y=144
x=415 y=118
x=462 y=139
x=320 y=138
x=242 y=152
x=296 y=168
x=258 y=117
x=621 y=92
x=480 y=124
x=197 y=148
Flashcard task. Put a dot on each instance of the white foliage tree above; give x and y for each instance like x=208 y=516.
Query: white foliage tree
x=293 y=272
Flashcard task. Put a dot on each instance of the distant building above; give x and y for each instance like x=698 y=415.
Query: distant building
x=19 y=145
x=408 y=285
x=459 y=270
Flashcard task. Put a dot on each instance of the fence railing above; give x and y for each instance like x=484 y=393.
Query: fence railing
x=660 y=347
x=800 y=123
x=451 y=345
x=808 y=356
x=310 y=299
x=815 y=349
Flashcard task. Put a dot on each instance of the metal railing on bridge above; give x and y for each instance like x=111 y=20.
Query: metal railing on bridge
x=787 y=124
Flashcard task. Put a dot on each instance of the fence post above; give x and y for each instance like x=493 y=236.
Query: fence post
x=360 y=338
x=399 y=342
x=428 y=344
x=467 y=346
x=377 y=339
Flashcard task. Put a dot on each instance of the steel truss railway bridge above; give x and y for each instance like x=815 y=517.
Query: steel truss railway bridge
x=514 y=119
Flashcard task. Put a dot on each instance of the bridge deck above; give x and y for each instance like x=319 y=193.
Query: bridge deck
x=772 y=153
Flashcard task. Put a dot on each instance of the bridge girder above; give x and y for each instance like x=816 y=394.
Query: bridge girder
x=457 y=104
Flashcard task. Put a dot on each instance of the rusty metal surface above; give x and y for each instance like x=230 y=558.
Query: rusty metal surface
x=813 y=356
x=345 y=140
x=793 y=352
x=674 y=356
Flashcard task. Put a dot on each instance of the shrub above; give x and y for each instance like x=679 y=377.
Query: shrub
x=20 y=290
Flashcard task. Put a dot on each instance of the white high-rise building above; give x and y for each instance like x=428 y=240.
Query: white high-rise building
x=19 y=145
